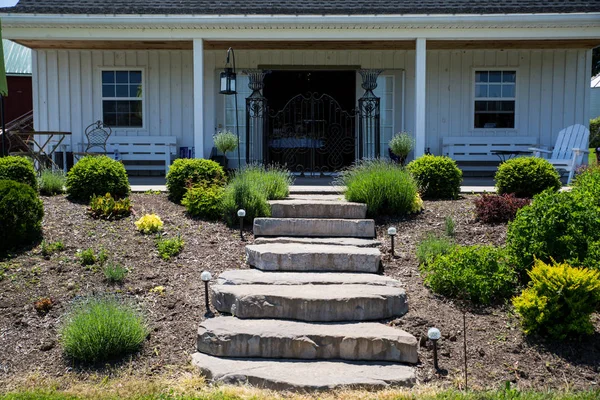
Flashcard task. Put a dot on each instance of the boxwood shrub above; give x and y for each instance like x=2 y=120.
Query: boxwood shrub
x=204 y=201
x=526 y=176
x=21 y=213
x=438 y=177
x=19 y=169
x=96 y=176
x=188 y=172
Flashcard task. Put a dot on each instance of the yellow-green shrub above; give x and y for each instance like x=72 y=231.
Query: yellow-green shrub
x=106 y=207
x=149 y=223
x=559 y=300
x=204 y=201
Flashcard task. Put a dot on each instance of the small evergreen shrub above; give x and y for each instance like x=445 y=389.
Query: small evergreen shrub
x=402 y=144
x=432 y=247
x=559 y=300
x=188 y=172
x=204 y=201
x=225 y=141
x=21 y=213
x=18 y=169
x=101 y=329
x=241 y=192
x=450 y=226
x=526 y=176
x=95 y=176
x=168 y=248
x=149 y=223
x=481 y=274
x=563 y=226
x=52 y=182
x=385 y=187
x=587 y=183
x=50 y=248
x=437 y=177
x=106 y=207
x=497 y=209
x=114 y=273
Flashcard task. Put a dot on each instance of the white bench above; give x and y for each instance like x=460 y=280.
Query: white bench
x=475 y=152
x=143 y=153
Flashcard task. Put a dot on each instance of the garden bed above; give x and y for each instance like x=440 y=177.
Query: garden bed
x=497 y=349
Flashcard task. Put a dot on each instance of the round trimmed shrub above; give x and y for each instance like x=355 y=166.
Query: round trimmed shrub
x=526 y=177
x=385 y=187
x=438 y=177
x=188 y=172
x=102 y=328
x=21 y=213
x=204 y=202
x=19 y=169
x=96 y=176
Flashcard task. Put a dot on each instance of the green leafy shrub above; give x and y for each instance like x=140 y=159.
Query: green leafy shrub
x=203 y=201
x=97 y=175
x=595 y=132
x=493 y=208
x=168 y=248
x=101 y=329
x=563 y=226
x=432 y=247
x=437 y=177
x=188 y=172
x=21 y=213
x=106 y=207
x=526 y=176
x=402 y=144
x=18 y=169
x=481 y=274
x=87 y=257
x=559 y=300
x=385 y=187
x=114 y=273
x=50 y=248
x=52 y=182
x=149 y=223
x=587 y=183
x=225 y=141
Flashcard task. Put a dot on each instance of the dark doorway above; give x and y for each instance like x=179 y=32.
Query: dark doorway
x=311 y=127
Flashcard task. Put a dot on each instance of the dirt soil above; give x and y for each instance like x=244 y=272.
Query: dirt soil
x=497 y=350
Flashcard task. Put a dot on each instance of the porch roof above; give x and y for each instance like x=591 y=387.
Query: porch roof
x=303 y=7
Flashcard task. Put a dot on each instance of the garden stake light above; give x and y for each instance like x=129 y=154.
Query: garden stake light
x=206 y=277
x=434 y=335
x=392 y=233
x=241 y=213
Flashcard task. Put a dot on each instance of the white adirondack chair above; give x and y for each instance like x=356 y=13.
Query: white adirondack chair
x=571 y=146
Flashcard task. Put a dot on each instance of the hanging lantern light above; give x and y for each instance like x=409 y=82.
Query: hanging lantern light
x=228 y=81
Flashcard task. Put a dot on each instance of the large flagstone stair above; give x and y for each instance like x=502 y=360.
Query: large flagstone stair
x=305 y=317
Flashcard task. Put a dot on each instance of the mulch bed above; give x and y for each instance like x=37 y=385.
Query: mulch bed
x=497 y=350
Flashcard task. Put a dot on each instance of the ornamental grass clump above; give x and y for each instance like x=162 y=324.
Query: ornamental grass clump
x=273 y=180
x=98 y=329
x=526 y=177
x=52 y=182
x=559 y=300
x=385 y=187
x=433 y=246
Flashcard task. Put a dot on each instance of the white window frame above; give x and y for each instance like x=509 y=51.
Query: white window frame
x=474 y=98
x=143 y=98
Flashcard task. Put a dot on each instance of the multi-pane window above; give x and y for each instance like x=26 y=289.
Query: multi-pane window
x=495 y=99
x=122 y=98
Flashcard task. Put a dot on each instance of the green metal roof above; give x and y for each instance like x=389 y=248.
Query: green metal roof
x=17 y=58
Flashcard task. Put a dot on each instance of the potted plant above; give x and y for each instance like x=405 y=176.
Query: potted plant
x=225 y=141
x=400 y=145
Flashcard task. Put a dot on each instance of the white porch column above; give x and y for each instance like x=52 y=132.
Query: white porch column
x=199 y=97
x=420 y=86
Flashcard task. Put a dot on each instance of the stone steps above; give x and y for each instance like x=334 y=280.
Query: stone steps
x=314 y=227
x=267 y=338
x=302 y=375
x=311 y=302
x=257 y=277
x=317 y=209
x=313 y=257
x=334 y=241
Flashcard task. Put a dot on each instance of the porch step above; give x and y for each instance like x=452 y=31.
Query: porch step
x=267 y=338
x=311 y=302
x=332 y=241
x=301 y=375
x=314 y=227
x=257 y=277
x=313 y=257
x=317 y=209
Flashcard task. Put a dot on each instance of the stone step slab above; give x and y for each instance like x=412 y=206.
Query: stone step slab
x=332 y=241
x=313 y=257
x=301 y=375
x=258 y=277
x=319 y=197
x=314 y=303
x=317 y=209
x=314 y=227
x=268 y=338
